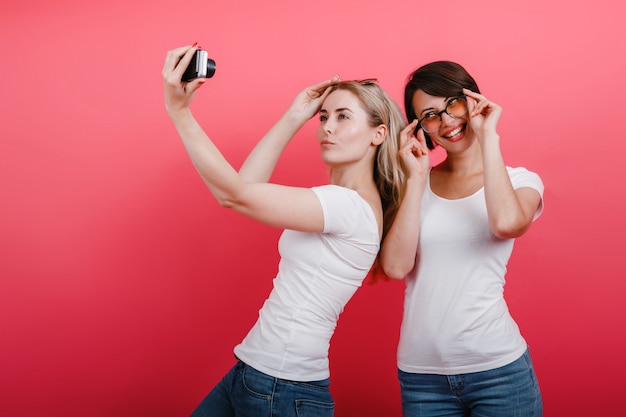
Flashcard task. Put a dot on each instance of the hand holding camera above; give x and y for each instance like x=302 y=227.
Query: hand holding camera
x=201 y=66
x=184 y=71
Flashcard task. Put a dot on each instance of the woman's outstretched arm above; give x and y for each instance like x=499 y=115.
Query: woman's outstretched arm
x=275 y=205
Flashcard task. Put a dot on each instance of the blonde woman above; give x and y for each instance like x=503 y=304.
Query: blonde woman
x=331 y=239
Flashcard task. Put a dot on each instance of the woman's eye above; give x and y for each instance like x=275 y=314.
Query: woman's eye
x=342 y=116
x=429 y=116
x=323 y=118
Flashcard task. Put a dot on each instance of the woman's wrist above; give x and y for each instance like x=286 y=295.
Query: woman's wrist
x=490 y=136
x=179 y=114
x=416 y=183
x=295 y=118
x=292 y=120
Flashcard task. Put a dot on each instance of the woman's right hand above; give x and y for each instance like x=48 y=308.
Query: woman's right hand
x=309 y=101
x=413 y=151
x=179 y=94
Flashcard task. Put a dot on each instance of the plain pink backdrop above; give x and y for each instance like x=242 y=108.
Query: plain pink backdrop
x=124 y=286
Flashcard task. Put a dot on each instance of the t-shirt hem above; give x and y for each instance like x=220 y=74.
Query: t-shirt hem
x=465 y=369
x=297 y=377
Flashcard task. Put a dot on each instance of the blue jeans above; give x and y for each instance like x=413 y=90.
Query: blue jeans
x=246 y=392
x=508 y=391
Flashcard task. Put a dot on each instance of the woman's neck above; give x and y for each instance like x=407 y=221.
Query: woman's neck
x=354 y=176
x=468 y=162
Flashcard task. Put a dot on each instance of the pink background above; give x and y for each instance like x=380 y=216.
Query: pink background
x=124 y=286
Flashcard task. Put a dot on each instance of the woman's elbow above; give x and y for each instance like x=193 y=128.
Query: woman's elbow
x=510 y=230
x=394 y=270
x=226 y=202
x=230 y=199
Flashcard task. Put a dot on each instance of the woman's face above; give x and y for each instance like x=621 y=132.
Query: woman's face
x=443 y=128
x=344 y=133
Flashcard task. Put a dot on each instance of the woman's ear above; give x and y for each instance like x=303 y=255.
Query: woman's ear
x=381 y=134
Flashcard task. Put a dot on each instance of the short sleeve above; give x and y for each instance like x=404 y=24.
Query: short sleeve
x=521 y=177
x=344 y=209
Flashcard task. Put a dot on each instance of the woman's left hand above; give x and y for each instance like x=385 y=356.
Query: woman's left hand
x=484 y=114
x=179 y=94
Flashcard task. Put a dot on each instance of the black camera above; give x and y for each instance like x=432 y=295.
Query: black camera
x=201 y=66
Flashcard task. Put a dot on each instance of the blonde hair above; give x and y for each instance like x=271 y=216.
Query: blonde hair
x=389 y=172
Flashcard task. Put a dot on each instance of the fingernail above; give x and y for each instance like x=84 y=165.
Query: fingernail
x=194 y=44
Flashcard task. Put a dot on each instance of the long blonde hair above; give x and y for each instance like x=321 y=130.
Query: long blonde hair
x=389 y=172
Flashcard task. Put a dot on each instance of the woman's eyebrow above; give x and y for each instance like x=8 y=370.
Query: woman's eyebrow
x=426 y=109
x=344 y=109
x=445 y=102
x=339 y=110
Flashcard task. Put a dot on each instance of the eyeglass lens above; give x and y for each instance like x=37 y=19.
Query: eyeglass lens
x=456 y=107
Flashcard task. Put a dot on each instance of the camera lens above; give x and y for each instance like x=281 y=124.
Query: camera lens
x=210 y=68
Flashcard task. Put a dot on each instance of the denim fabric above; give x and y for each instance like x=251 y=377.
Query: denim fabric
x=246 y=392
x=509 y=391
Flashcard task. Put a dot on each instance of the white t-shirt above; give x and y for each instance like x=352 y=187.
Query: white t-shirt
x=455 y=317
x=318 y=273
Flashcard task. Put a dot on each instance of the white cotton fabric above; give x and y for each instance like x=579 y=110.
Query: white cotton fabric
x=455 y=317
x=318 y=273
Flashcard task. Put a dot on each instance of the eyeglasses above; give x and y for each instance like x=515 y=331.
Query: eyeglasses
x=456 y=107
x=367 y=81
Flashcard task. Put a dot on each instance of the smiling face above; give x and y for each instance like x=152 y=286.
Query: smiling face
x=345 y=133
x=453 y=131
x=437 y=79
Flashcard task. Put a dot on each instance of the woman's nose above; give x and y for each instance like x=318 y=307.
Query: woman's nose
x=446 y=118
